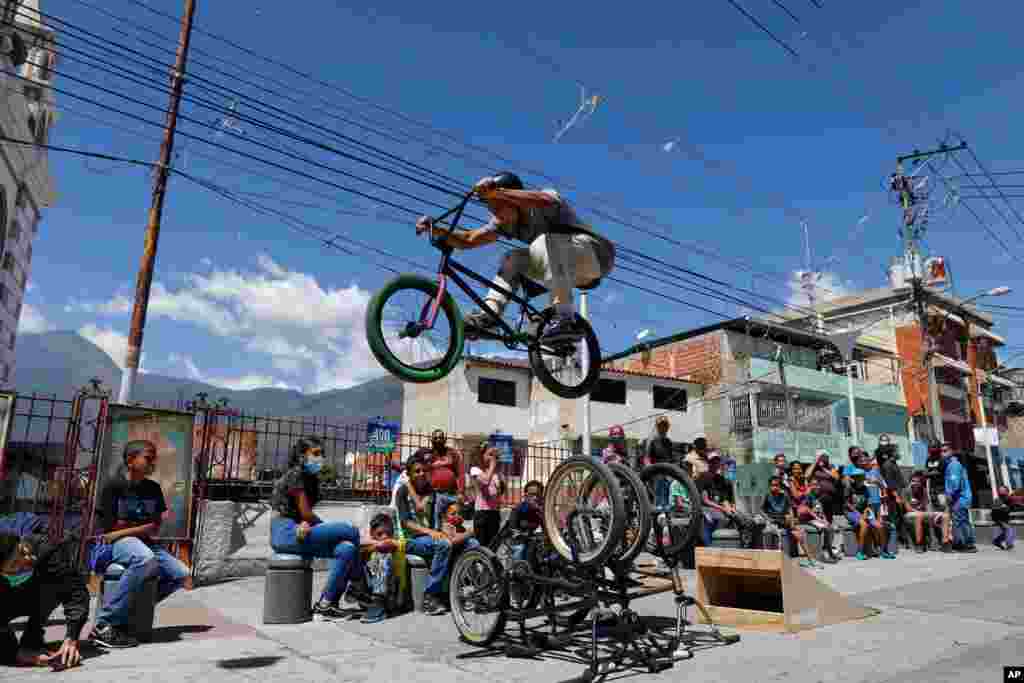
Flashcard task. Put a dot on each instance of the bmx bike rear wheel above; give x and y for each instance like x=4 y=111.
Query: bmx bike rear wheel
x=676 y=508
x=637 y=506
x=567 y=369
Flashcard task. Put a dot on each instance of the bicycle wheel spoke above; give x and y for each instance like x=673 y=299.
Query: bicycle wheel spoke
x=423 y=350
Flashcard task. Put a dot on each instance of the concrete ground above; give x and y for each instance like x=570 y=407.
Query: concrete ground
x=943 y=618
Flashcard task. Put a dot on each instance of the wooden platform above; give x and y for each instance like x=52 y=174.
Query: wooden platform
x=765 y=589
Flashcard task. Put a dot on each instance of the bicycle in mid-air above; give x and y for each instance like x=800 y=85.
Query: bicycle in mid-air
x=408 y=337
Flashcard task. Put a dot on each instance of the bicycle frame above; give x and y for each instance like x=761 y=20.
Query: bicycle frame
x=449 y=270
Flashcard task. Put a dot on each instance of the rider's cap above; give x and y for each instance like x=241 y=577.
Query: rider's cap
x=617 y=432
x=508 y=181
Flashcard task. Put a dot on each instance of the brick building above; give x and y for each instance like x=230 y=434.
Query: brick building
x=771 y=388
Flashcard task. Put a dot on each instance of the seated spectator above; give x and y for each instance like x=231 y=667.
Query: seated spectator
x=384 y=568
x=782 y=469
x=133 y=509
x=916 y=513
x=415 y=503
x=36 y=577
x=696 y=461
x=616 y=451
x=817 y=519
x=526 y=518
x=488 y=488
x=296 y=530
x=779 y=511
x=861 y=516
x=1007 y=536
x=720 y=508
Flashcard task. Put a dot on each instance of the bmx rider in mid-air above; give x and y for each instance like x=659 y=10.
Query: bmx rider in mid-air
x=563 y=253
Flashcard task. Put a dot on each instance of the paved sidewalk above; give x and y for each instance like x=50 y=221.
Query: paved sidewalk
x=944 y=618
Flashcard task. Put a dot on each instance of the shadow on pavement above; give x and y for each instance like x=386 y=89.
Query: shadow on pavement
x=173 y=634
x=248 y=662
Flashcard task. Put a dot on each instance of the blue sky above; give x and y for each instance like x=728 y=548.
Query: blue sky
x=241 y=300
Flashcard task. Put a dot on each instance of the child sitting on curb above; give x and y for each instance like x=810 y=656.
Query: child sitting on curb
x=384 y=569
x=779 y=511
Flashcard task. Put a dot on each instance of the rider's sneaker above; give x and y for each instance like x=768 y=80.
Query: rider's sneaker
x=563 y=328
x=480 y=321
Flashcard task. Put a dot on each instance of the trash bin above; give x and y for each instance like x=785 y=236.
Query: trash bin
x=288 y=591
x=418 y=575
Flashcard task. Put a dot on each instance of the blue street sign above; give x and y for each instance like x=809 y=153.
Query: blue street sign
x=503 y=442
x=380 y=436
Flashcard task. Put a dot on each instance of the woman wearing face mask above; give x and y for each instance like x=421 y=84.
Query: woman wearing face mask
x=295 y=530
x=36 y=577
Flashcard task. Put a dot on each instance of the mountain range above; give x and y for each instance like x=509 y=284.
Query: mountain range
x=63 y=362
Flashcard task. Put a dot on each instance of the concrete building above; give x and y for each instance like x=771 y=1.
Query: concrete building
x=483 y=395
x=27 y=112
x=950 y=373
x=775 y=389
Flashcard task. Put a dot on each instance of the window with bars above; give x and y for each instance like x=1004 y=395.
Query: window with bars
x=741 y=422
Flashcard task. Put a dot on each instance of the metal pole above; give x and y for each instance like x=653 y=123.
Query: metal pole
x=156 y=210
x=854 y=433
x=585 y=359
x=988 y=443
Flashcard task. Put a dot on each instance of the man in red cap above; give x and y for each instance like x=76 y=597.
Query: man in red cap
x=616 y=450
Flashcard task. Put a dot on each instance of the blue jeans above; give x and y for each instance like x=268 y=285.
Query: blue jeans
x=338 y=541
x=712 y=520
x=438 y=554
x=661 y=489
x=963 y=530
x=140 y=563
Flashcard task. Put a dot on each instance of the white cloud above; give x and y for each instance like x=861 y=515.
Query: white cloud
x=312 y=334
x=111 y=342
x=828 y=286
x=32 y=321
x=249 y=381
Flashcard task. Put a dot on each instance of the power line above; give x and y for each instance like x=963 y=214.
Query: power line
x=78 y=152
x=392 y=112
x=984 y=170
x=757 y=23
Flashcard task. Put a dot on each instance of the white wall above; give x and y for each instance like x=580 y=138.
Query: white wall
x=469 y=416
x=638 y=415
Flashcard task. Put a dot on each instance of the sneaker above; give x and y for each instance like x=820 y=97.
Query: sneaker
x=920 y=549
x=432 y=606
x=480 y=321
x=861 y=556
x=886 y=555
x=969 y=549
x=327 y=610
x=947 y=547
x=107 y=636
x=807 y=564
x=375 y=614
x=562 y=328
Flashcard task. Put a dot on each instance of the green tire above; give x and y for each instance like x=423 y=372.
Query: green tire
x=379 y=347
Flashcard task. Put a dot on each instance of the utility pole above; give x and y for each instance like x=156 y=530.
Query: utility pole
x=911 y=232
x=156 y=210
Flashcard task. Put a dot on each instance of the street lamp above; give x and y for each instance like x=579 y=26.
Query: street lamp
x=995 y=291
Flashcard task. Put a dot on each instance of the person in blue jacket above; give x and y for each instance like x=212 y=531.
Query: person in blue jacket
x=958 y=497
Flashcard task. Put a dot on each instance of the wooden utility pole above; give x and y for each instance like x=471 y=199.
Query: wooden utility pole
x=156 y=210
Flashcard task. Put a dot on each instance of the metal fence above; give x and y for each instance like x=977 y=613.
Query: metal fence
x=236 y=456
x=245 y=454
